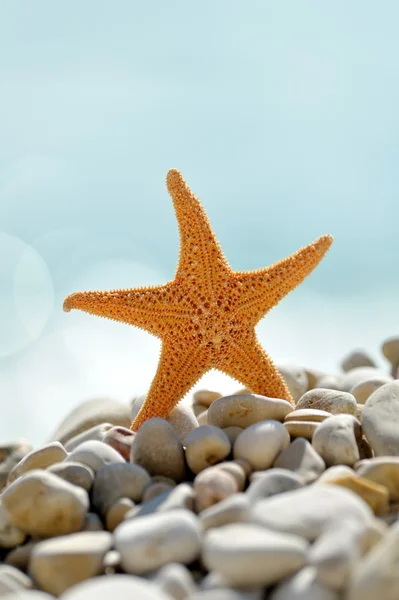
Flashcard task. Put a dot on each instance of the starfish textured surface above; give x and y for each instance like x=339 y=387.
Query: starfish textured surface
x=206 y=316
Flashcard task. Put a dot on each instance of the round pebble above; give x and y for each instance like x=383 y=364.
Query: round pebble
x=295 y=377
x=205 y=397
x=42 y=504
x=363 y=390
x=331 y=401
x=247 y=555
x=236 y=470
x=117 y=512
x=205 y=446
x=380 y=420
x=60 y=563
x=10 y=536
x=260 y=443
x=153 y=541
x=355 y=359
x=337 y=440
x=95 y=433
x=121 y=439
x=183 y=421
x=176 y=580
x=158 y=449
x=243 y=410
x=118 y=480
x=232 y=433
x=74 y=472
x=301 y=429
x=39 y=459
x=359 y=374
x=303 y=586
x=122 y=587
x=234 y=509
x=272 y=482
x=94 y=454
x=13 y=580
x=383 y=470
x=307 y=414
x=211 y=486
x=301 y=458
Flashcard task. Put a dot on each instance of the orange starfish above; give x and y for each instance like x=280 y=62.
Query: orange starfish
x=206 y=316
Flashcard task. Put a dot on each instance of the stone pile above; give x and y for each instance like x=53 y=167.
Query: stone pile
x=239 y=497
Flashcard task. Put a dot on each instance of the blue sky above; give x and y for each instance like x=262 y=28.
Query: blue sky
x=282 y=117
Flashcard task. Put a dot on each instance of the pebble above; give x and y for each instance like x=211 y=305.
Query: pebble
x=90 y=413
x=232 y=433
x=390 y=349
x=10 y=455
x=183 y=421
x=182 y=496
x=118 y=480
x=376 y=575
x=158 y=449
x=337 y=440
x=13 y=580
x=301 y=458
x=203 y=419
x=308 y=511
x=95 y=433
x=383 y=470
x=357 y=358
x=236 y=470
x=303 y=586
x=380 y=420
x=335 y=473
x=153 y=541
x=243 y=410
x=234 y=509
x=117 y=512
x=176 y=580
x=332 y=401
x=307 y=414
x=27 y=595
x=38 y=459
x=314 y=376
x=211 y=486
x=295 y=377
x=156 y=489
x=94 y=454
x=205 y=397
x=359 y=374
x=10 y=536
x=329 y=381
x=225 y=594
x=42 y=504
x=272 y=482
x=301 y=429
x=260 y=443
x=62 y=562
x=121 y=439
x=92 y=522
x=363 y=390
x=376 y=495
x=247 y=555
x=74 y=472
x=120 y=587
x=205 y=446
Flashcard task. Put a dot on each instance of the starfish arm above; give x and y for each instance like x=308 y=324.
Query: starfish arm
x=249 y=364
x=178 y=370
x=201 y=258
x=149 y=308
x=262 y=289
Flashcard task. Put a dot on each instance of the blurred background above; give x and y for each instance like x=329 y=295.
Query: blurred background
x=282 y=117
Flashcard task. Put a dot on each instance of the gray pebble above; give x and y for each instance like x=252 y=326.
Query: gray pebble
x=74 y=472
x=118 y=480
x=272 y=482
x=96 y=433
x=39 y=459
x=234 y=509
x=301 y=458
x=95 y=455
x=182 y=496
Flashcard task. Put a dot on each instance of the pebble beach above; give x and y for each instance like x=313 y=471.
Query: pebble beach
x=239 y=497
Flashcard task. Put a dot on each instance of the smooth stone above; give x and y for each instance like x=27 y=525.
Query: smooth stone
x=74 y=472
x=301 y=429
x=118 y=587
x=121 y=439
x=10 y=536
x=380 y=420
x=60 y=563
x=183 y=421
x=232 y=433
x=11 y=454
x=234 y=509
x=295 y=377
x=42 y=504
x=117 y=512
x=95 y=454
x=337 y=440
x=272 y=482
x=226 y=594
x=180 y=497
x=158 y=449
x=383 y=470
x=390 y=349
x=199 y=409
x=205 y=446
x=19 y=557
x=260 y=443
x=156 y=489
x=248 y=555
x=92 y=522
x=301 y=458
x=243 y=410
x=303 y=586
x=376 y=495
x=118 y=480
x=205 y=397
x=363 y=390
x=314 y=376
x=203 y=419
x=236 y=470
x=307 y=414
x=27 y=595
x=153 y=541
x=359 y=374
x=332 y=401
x=90 y=413
x=38 y=459
x=13 y=580
x=308 y=511
x=355 y=359
x=329 y=381
x=95 y=433
x=335 y=472
x=211 y=486
x=176 y=580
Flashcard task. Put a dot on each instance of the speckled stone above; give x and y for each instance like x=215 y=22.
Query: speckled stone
x=243 y=410
x=301 y=458
x=153 y=541
x=205 y=446
x=158 y=449
x=328 y=400
x=261 y=443
x=74 y=472
x=95 y=455
x=247 y=555
x=42 y=504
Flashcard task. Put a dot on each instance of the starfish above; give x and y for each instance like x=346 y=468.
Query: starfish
x=206 y=316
